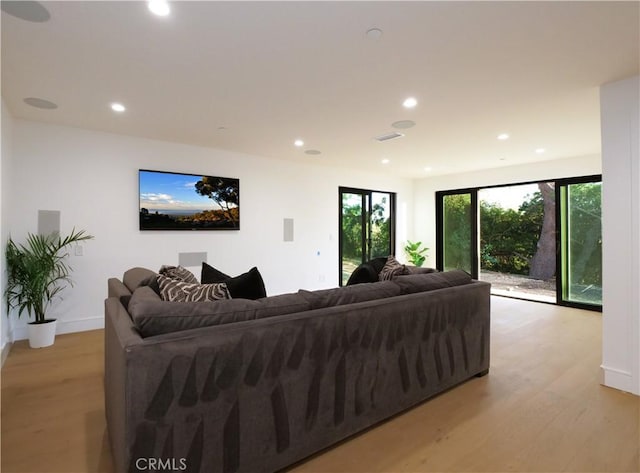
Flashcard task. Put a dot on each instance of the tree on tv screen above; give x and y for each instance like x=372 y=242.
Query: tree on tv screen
x=224 y=192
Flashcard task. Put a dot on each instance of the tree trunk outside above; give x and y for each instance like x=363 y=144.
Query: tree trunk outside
x=543 y=263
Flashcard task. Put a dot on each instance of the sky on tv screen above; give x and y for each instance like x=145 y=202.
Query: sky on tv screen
x=172 y=194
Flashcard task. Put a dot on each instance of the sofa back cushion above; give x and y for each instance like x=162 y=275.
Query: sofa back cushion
x=135 y=277
x=413 y=283
x=153 y=316
x=350 y=294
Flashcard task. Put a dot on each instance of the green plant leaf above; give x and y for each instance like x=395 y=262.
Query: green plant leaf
x=37 y=271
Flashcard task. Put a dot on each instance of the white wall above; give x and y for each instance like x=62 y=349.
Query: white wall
x=619 y=108
x=425 y=189
x=92 y=179
x=5 y=170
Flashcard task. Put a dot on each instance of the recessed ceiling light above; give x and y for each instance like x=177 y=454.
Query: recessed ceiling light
x=40 y=103
x=385 y=161
x=503 y=136
x=118 y=107
x=159 y=7
x=298 y=143
x=410 y=102
x=428 y=169
x=403 y=124
x=540 y=150
x=313 y=152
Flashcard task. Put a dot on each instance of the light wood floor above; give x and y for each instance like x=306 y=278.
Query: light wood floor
x=540 y=409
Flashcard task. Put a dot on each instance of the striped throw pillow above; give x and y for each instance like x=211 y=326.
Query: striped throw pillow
x=391 y=269
x=179 y=291
x=179 y=273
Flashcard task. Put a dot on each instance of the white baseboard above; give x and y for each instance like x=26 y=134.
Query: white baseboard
x=65 y=326
x=618 y=379
x=5 y=353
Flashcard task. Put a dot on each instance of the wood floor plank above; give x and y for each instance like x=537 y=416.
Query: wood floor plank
x=540 y=409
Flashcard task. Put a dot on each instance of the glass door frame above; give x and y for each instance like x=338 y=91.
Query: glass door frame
x=367 y=206
x=562 y=252
x=474 y=225
x=475 y=230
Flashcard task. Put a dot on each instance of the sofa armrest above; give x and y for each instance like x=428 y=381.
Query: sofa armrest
x=120 y=336
x=115 y=288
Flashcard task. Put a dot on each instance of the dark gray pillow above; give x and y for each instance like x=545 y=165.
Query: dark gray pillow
x=412 y=283
x=350 y=294
x=209 y=274
x=249 y=285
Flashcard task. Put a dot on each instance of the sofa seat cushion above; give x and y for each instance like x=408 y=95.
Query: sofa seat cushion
x=153 y=316
x=350 y=294
x=412 y=283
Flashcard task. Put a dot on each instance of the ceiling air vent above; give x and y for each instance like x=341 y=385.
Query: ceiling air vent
x=389 y=136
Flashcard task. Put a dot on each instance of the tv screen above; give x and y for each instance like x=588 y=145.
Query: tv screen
x=175 y=201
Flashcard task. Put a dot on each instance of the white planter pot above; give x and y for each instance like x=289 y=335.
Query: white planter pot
x=42 y=335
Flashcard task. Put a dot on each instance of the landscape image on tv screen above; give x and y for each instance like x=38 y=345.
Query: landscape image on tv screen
x=175 y=201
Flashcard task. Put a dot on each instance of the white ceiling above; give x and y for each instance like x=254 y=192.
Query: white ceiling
x=271 y=72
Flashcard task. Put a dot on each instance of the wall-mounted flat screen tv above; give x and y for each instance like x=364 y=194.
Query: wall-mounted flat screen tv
x=176 y=201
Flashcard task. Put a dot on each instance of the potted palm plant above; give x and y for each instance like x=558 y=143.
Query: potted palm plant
x=37 y=272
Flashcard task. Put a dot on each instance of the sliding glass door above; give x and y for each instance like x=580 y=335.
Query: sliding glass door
x=540 y=240
x=457 y=216
x=581 y=242
x=367 y=227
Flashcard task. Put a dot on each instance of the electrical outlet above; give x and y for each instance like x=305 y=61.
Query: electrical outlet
x=79 y=251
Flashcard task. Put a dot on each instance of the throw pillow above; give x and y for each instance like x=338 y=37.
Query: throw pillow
x=392 y=268
x=249 y=285
x=180 y=291
x=179 y=273
x=365 y=273
x=209 y=274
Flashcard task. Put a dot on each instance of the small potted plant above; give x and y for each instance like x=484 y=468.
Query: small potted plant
x=36 y=273
x=415 y=253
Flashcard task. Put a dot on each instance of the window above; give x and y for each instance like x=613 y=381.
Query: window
x=367 y=227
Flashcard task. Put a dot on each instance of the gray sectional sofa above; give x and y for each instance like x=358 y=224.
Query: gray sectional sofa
x=257 y=385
